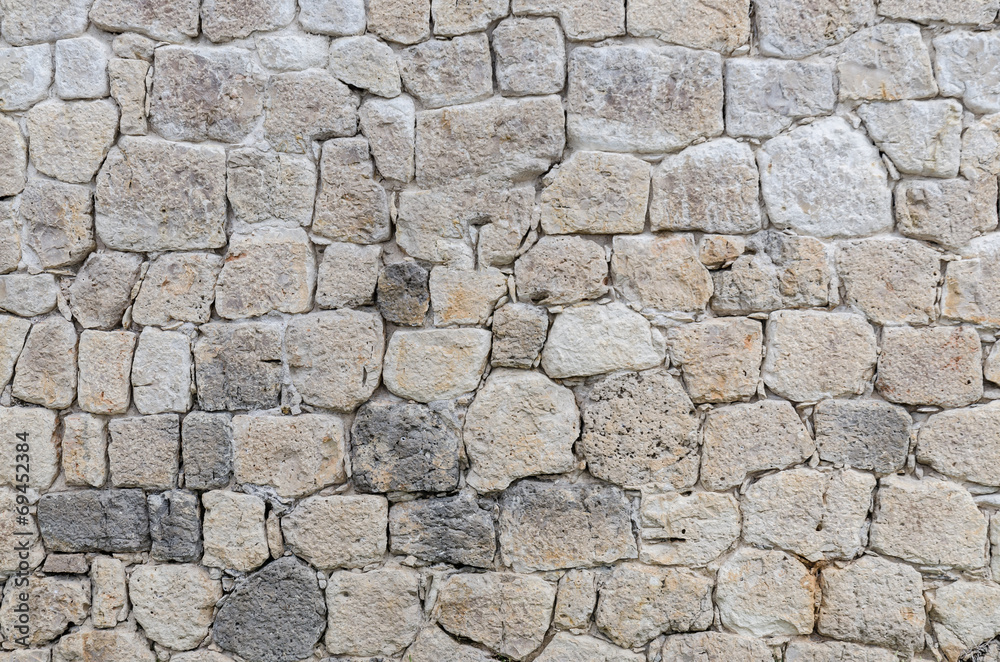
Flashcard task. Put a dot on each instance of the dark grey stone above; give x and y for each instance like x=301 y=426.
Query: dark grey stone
x=405 y=447
x=519 y=331
x=94 y=521
x=276 y=615
x=103 y=289
x=207 y=450
x=865 y=434
x=457 y=530
x=403 y=296
x=238 y=366
x=175 y=526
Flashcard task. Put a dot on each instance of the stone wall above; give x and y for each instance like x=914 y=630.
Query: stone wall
x=485 y=330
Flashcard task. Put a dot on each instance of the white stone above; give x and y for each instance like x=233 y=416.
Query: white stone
x=367 y=63
x=724 y=26
x=25 y=76
x=435 y=364
x=765 y=96
x=765 y=593
x=921 y=137
x=354 y=628
x=793 y=30
x=338 y=531
x=530 y=55
x=81 y=68
x=292 y=52
x=174 y=604
x=448 y=72
x=690 y=530
x=389 y=126
x=964 y=66
x=161 y=372
x=583 y=20
x=334 y=17
x=234 y=531
x=886 y=62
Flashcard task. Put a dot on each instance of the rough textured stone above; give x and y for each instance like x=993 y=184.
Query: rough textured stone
x=174 y=604
x=688 y=530
x=39 y=425
x=351 y=204
x=508 y=613
x=267 y=269
x=562 y=270
x=834 y=651
x=981 y=148
x=27 y=295
x=309 y=457
x=154 y=195
x=128 y=88
x=172 y=20
x=963 y=64
x=886 y=62
x=818 y=355
x=94 y=521
x=939 y=366
x=968 y=611
x=931 y=522
x=716 y=646
x=338 y=531
x=10 y=226
x=238 y=366
x=949 y=212
x=59 y=219
x=771 y=434
x=964 y=443
x=109 y=602
x=519 y=332
x=403 y=293
x=596 y=193
x=389 y=126
x=102 y=646
x=892 y=281
x=31 y=552
x=794 y=31
x=870 y=435
x=433 y=645
x=719 y=250
x=765 y=593
x=305 y=106
x=405 y=447
x=13 y=332
x=547 y=526
x=530 y=55
x=661 y=272
x=222 y=20
x=292 y=51
x=781 y=271
x=566 y=648
x=353 y=628
x=457 y=530
x=720 y=358
x=722 y=27
x=460 y=296
x=921 y=137
x=448 y=72
x=452 y=19
x=284 y=594
x=974 y=12
x=575 y=599
x=46 y=369
x=175 y=526
x=262 y=186
x=366 y=63
x=234 y=531
x=105 y=360
x=646 y=124
x=853 y=198
x=638 y=602
x=336 y=17
x=582 y=21
x=53 y=604
x=177 y=287
x=207 y=449
x=144 y=451
x=970 y=290
x=103 y=288
x=347 y=275
x=31 y=23
x=873 y=601
x=25 y=76
x=640 y=428
x=15 y=160
x=84 y=450
x=72 y=156
x=589 y=340
x=405 y=22
x=520 y=424
x=435 y=364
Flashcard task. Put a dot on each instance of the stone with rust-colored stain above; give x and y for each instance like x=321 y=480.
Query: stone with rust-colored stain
x=939 y=366
x=720 y=358
x=562 y=270
x=105 y=364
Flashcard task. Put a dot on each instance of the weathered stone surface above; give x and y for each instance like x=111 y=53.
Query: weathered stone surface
x=870 y=435
x=15 y=160
x=201 y=655
x=335 y=357
x=367 y=63
x=144 y=451
x=970 y=286
x=530 y=54
x=717 y=646
x=452 y=19
x=590 y=340
x=964 y=443
x=405 y=447
x=688 y=530
x=94 y=521
x=222 y=20
x=267 y=269
x=962 y=62
x=547 y=526
x=338 y=531
x=305 y=106
x=794 y=31
x=336 y=17
x=347 y=275
x=931 y=522
x=105 y=361
x=351 y=205
x=596 y=193
x=238 y=366
x=103 y=288
x=72 y=156
x=309 y=457
x=981 y=148
x=833 y=651
x=816 y=515
x=921 y=137
x=519 y=332
x=638 y=602
x=284 y=594
x=53 y=604
x=402 y=21
x=66 y=564
x=27 y=295
x=10 y=226
x=43 y=446
x=109 y=600
x=873 y=601
x=968 y=612
x=710 y=187
x=448 y=72
x=853 y=199
x=25 y=76
x=720 y=250
x=640 y=428
x=892 y=281
x=435 y=364
x=46 y=369
x=503 y=139
x=102 y=646
x=128 y=88
x=84 y=450
x=291 y=51
x=720 y=358
x=207 y=449
x=886 y=62
x=175 y=526
x=389 y=126
x=460 y=296
x=262 y=186
x=174 y=604
x=433 y=645
x=234 y=531
x=32 y=23
x=575 y=599
x=646 y=123
x=353 y=628
x=154 y=195
x=949 y=212
x=817 y=355
x=177 y=287
x=939 y=366
x=562 y=270
x=508 y=613
x=403 y=293
x=661 y=272
x=566 y=648
x=59 y=219
x=771 y=437
x=765 y=593
x=172 y=20
x=520 y=424
x=32 y=553
x=457 y=530
x=13 y=331
x=582 y=21
x=723 y=27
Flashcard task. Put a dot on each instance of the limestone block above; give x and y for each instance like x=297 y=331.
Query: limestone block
x=338 y=531
x=433 y=645
x=222 y=20
x=81 y=68
x=109 y=593
x=144 y=451
x=32 y=552
x=335 y=17
x=963 y=443
x=452 y=19
x=207 y=449
x=15 y=161
x=172 y=20
x=801 y=650
x=765 y=593
x=690 y=530
x=161 y=372
x=46 y=369
x=720 y=358
x=717 y=645
x=789 y=29
x=103 y=288
x=530 y=55
x=353 y=628
x=175 y=526
x=962 y=62
x=519 y=332
x=948 y=212
x=939 y=366
x=54 y=604
x=723 y=27
x=892 y=281
x=764 y=97
x=401 y=21
x=886 y=62
x=25 y=76
x=367 y=63
x=435 y=364
x=974 y=12
x=238 y=366
x=921 y=137
x=105 y=364
x=128 y=89
x=292 y=51
x=582 y=21
x=662 y=272
x=566 y=647
x=350 y=205
x=103 y=646
x=448 y=72
x=575 y=599
x=460 y=296
x=27 y=295
x=403 y=295
x=389 y=126
x=177 y=287
x=864 y=434
x=457 y=530
x=234 y=531
x=347 y=275
x=267 y=269
x=59 y=221
x=262 y=186
x=32 y=23
x=174 y=604
x=84 y=450
x=71 y=156
x=562 y=270
x=305 y=106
